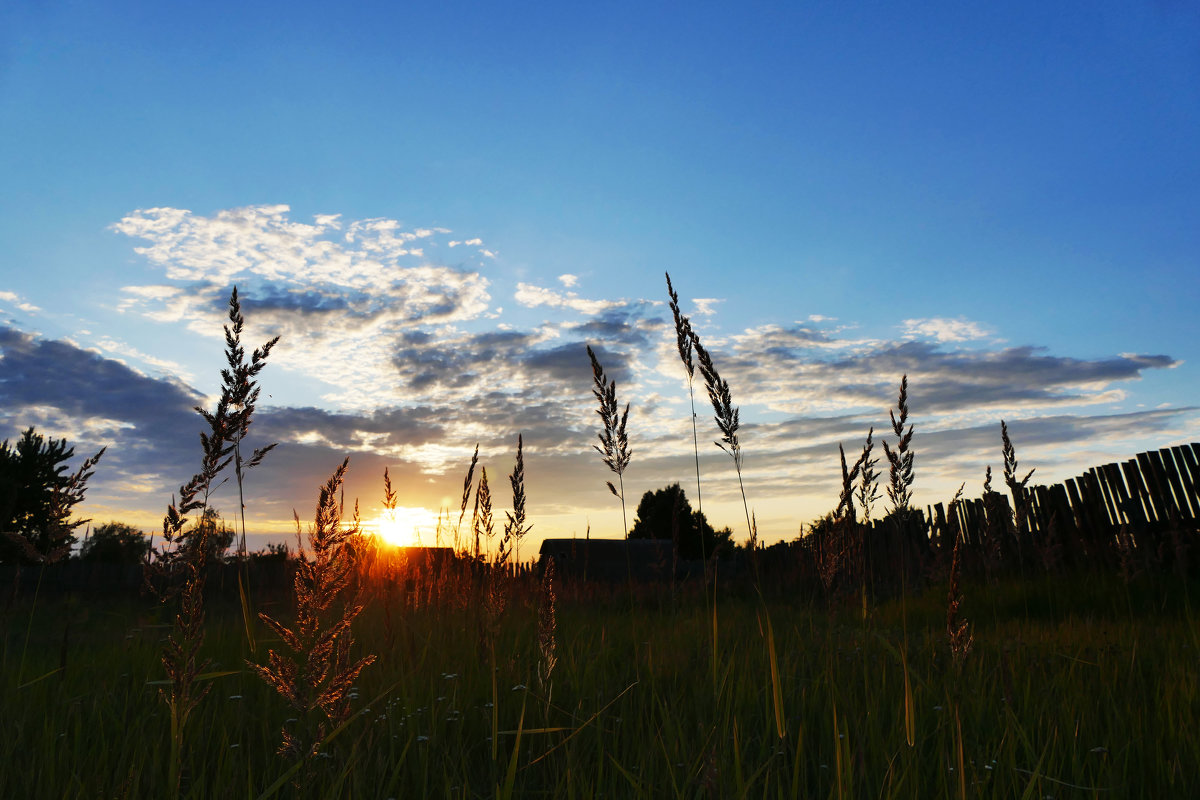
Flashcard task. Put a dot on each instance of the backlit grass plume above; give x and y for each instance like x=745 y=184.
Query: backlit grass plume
x=1015 y=485
x=868 y=486
x=726 y=415
x=482 y=522
x=684 y=339
x=958 y=630
x=242 y=390
x=614 y=442
x=516 y=527
x=466 y=494
x=316 y=679
x=179 y=571
x=547 y=634
x=901 y=459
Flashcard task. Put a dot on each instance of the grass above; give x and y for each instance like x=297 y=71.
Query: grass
x=1049 y=699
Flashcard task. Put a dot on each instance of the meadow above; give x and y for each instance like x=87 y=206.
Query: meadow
x=1079 y=686
x=869 y=659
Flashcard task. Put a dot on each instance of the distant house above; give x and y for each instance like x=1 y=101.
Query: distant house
x=609 y=559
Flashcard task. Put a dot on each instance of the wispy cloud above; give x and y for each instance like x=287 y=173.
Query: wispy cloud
x=941 y=329
x=19 y=302
x=532 y=296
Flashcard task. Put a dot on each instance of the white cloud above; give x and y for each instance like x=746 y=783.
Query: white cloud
x=568 y=280
x=112 y=346
x=706 y=306
x=941 y=329
x=19 y=302
x=336 y=297
x=532 y=296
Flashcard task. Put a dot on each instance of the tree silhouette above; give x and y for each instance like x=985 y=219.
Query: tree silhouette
x=218 y=537
x=667 y=514
x=36 y=498
x=115 y=543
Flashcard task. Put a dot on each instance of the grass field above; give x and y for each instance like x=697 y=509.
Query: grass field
x=1077 y=686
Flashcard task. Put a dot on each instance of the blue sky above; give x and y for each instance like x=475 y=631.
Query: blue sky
x=438 y=206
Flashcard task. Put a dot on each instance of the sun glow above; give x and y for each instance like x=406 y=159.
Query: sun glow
x=406 y=527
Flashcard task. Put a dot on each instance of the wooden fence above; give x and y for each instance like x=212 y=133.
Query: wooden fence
x=1149 y=498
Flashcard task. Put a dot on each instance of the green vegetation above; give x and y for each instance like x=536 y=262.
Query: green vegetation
x=36 y=498
x=1077 y=687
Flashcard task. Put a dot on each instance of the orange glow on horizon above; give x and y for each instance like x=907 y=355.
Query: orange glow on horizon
x=405 y=527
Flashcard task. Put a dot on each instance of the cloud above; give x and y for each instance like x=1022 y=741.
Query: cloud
x=336 y=292
x=940 y=329
x=803 y=369
x=568 y=280
x=19 y=302
x=532 y=296
x=164 y=365
x=706 y=306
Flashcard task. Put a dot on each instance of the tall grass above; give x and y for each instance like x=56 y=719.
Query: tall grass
x=1056 y=696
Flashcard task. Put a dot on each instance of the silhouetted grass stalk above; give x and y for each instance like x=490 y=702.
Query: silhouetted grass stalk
x=683 y=343
x=242 y=390
x=726 y=415
x=614 y=442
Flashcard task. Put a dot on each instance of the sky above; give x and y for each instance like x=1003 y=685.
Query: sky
x=438 y=206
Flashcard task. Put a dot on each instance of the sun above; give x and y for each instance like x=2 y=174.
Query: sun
x=404 y=527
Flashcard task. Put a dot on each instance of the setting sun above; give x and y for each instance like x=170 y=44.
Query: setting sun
x=406 y=527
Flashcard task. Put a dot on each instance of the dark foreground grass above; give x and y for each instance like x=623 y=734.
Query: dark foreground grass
x=1075 y=687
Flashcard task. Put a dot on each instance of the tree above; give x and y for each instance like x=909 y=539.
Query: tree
x=36 y=498
x=667 y=514
x=219 y=536
x=115 y=543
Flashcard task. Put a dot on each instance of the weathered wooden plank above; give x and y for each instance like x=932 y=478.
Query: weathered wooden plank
x=1114 y=516
x=1083 y=515
x=974 y=520
x=1165 y=464
x=1187 y=479
x=1061 y=511
x=1126 y=511
x=1193 y=469
x=1137 y=490
x=1094 y=497
x=1164 y=504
